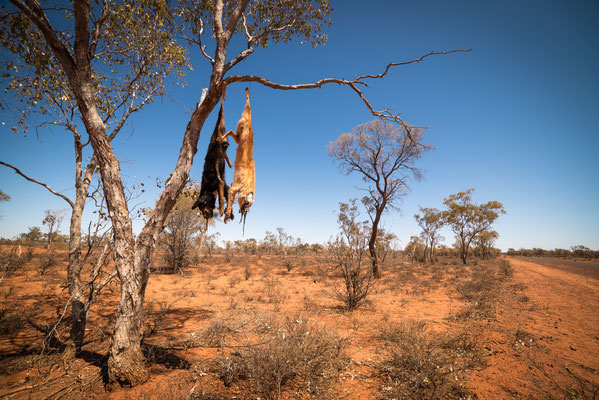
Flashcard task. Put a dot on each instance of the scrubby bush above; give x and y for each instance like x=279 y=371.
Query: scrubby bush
x=421 y=364
x=349 y=255
x=482 y=289
x=11 y=260
x=295 y=354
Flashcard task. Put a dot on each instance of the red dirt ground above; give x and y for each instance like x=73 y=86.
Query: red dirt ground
x=545 y=324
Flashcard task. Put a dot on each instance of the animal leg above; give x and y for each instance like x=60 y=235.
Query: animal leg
x=233 y=190
x=232 y=134
x=227 y=159
x=221 y=196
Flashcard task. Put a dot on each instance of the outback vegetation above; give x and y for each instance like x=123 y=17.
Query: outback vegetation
x=270 y=318
x=278 y=318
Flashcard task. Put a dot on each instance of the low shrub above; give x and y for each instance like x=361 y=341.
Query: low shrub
x=12 y=260
x=420 y=364
x=295 y=354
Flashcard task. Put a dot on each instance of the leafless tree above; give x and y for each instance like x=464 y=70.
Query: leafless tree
x=384 y=155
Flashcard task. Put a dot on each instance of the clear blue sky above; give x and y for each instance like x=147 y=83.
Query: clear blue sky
x=516 y=119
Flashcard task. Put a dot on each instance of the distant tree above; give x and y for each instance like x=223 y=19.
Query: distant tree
x=430 y=221
x=415 y=249
x=384 y=156
x=581 y=251
x=467 y=219
x=283 y=241
x=484 y=242
x=561 y=253
x=348 y=250
x=445 y=251
x=181 y=229
x=270 y=242
x=250 y=246
x=316 y=248
x=303 y=248
x=385 y=245
x=33 y=235
x=52 y=220
x=211 y=243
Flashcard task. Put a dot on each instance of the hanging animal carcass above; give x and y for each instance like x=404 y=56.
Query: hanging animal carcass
x=245 y=170
x=213 y=177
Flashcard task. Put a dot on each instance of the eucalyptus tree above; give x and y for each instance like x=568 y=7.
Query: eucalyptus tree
x=120 y=64
x=468 y=220
x=430 y=221
x=384 y=156
x=484 y=242
x=259 y=22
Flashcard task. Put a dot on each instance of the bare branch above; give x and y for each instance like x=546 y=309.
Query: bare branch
x=240 y=57
x=106 y=52
x=202 y=47
x=101 y=260
x=106 y=282
x=97 y=27
x=245 y=29
x=252 y=40
x=385 y=115
x=130 y=110
x=202 y=97
x=129 y=92
x=54 y=192
x=416 y=60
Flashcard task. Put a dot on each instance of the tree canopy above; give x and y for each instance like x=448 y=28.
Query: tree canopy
x=384 y=155
x=467 y=220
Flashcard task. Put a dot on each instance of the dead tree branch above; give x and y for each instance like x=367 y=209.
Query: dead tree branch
x=54 y=192
x=387 y=115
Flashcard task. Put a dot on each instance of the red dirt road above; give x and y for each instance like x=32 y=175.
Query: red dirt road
x=549 y=327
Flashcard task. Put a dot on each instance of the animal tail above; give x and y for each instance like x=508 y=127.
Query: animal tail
x=221 y=115
x=242 y=219
x=206 y=224
x=248 y=109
